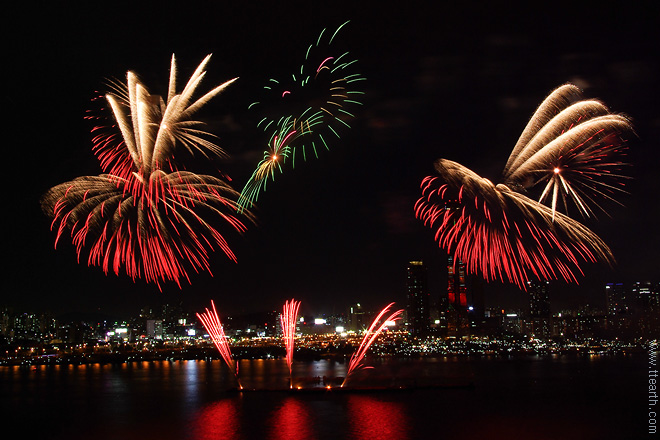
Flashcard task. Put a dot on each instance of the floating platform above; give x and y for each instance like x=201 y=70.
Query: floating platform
x=356 y=389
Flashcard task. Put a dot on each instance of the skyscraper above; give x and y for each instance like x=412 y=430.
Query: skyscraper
x=457 y=314
x=456 y=288
x=617 y=303
x=418 y=298
x=357 y=319
x=539 y=322
x=643 y=296
x=539 y=299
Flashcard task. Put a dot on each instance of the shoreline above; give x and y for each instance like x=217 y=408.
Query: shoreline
x=207 y=355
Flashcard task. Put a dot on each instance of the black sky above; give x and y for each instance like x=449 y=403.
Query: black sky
x=457 y=82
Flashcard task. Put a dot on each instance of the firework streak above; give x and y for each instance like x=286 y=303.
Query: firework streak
x=501 y=233
x=214 y=328
x=288 y=322
x=146 y=215
x=357 y=359
x=572 y=144
x=312 y=108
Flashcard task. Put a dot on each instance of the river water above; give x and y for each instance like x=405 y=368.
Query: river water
x=532 y=397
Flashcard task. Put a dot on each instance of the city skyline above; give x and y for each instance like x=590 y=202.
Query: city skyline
x=539 y=301
x=342 y=227
x=169 y=331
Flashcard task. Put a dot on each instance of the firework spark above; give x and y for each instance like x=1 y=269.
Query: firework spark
x=377 y=326
x=318 y=101
x=214 y=328
x=501 y=233
x=147 y=215
x=572 y=144
x=288 y=322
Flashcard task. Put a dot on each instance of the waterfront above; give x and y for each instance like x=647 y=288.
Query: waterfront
x=540 y=397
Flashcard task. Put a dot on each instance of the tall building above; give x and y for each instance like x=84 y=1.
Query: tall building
x=357 y=319
x=539 y=299
x=456 y=288
x=539 y=323
x=458 y=323
x=632 y=309
x=418 y=298
x=615 y=295
x=654 y=300
x=476 y=305
x=155 y=328
x=644 y=296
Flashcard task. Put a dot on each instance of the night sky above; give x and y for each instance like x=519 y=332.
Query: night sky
x=452 y=82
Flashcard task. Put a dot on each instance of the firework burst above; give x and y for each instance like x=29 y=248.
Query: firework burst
x=312 y=108
x=213 y=326
x=375 y=329
x=288 y=322
x=146 y=215
x=572 y=145
x=501 y=233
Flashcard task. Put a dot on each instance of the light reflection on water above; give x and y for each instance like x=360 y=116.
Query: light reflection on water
x=377 y=419
x=291 y=416
x=217 y=420
x=292 y=420
x=555 y=397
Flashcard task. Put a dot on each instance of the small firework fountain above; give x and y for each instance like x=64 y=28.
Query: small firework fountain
x=357 y=359
x=288 y=321
x=212 y=324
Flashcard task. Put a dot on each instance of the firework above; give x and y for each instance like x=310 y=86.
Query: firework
x=377 y=326
x=501 y=233
x=572 y=145
x=312 y=108
x=212 y=324
x=146 y=215
x=288 y=321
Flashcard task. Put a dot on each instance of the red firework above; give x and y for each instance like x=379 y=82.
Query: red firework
x=212 y=324
x=147 y=216
x=357 y=359
x=502 y=234
x=288 y=322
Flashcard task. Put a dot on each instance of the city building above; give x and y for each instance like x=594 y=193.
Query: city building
x=644 y=296
x=615 y=296
x=418 y=313
x=458 y=323
x=539 y=299
x=357 y=318
x=633 y=310
x=456 y=287
x=155 y=328
x=538 y=324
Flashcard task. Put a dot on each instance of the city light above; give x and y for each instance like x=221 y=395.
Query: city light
x=630 y=315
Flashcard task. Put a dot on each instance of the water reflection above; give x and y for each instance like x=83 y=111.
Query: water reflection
x=191 y=385
x=291 y=421
x=373 y=418
x=219 y=420
x=189 y=400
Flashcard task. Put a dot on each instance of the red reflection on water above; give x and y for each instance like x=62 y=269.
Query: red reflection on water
x=218 y=420
x=291 y=421
x=372 y=419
